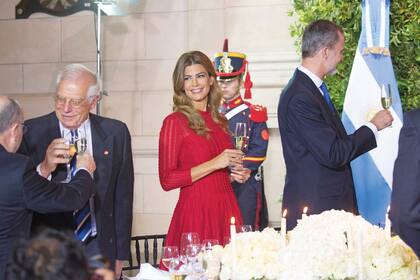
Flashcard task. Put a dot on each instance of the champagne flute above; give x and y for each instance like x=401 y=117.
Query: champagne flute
x=240 y=135
x=69 y=140
x=386 y=97
x=170 y=258
x=81 y=142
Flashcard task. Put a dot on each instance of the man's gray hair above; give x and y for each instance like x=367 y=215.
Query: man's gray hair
x=10 y=113
x=74 y=71
x=319 y=34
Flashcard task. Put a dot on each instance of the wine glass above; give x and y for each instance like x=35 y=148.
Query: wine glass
x=194 y=267
x=81 y=141
x=246 y=228
x=240 y=135
x=170 y=257
x=386 y=97
x=210 y=261
x=186 y=239
x=70 y=139
x=192 y=251
x=209 y=243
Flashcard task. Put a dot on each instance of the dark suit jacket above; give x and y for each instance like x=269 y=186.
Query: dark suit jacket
x=317 y=151
x=405 y=197
x=22 y=191
x=113 y=179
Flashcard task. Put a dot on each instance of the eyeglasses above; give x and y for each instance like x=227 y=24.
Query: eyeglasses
x=24 y=128
x=75 y=103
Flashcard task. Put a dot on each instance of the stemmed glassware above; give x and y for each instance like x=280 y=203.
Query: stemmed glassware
x=70 y=142
x=77 y=143
x=187 y=238
x=187 y=251
x=81 y=141
x=240 y=135
x=209 y=243
x=210 y=263
x=192 y=253
x=170 y=258
x=386 y=97
x=245 y=228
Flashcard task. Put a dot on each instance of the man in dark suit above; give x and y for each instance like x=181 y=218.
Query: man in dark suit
x=316 y=148
x=405 y=197
x=23 y=191
x=110 y=144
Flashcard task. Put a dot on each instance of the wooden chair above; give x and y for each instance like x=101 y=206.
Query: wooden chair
x=146 y=250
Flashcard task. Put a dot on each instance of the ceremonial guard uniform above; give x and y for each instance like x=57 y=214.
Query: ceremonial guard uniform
x=230 y=65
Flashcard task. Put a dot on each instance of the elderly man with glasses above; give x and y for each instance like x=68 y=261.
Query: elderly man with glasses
x=23 y=191
x=103 y=224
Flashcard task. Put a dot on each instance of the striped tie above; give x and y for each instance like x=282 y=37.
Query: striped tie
x=83 y=218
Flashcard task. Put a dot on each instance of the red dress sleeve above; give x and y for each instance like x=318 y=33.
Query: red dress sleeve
x=171 y=136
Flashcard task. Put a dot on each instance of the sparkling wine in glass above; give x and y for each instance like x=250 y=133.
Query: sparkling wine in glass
x=386 y=98
x=170 y=258
x=81 y=141
x=240 y=135
x=70 y=142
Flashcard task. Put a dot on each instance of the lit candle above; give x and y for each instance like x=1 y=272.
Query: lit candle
x=388 y=222
x=233 y=244
x=232 y=230
x=305 y=210
x=283 y=229
x=360 y=252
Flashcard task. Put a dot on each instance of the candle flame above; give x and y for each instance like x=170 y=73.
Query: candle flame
x=232 y=220
x=305 y=209
x=284 y=213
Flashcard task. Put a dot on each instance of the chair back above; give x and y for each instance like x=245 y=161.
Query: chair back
x=146 y=250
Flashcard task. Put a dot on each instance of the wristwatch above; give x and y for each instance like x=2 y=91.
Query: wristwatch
x=52 y=7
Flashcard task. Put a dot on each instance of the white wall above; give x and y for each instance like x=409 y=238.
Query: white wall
x=140 y=50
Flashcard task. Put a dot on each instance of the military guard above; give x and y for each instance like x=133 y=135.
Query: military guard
x=232 y=75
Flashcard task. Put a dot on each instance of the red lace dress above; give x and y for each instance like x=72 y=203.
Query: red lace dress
x=206 y=205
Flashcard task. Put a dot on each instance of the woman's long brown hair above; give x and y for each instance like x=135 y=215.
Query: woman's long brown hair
x=183 y=104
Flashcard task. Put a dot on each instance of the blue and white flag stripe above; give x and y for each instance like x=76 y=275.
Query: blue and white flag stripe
x=372 y=69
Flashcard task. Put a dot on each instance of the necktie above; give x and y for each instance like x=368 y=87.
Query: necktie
x=84 y=218
x=73 y=159
x=327 y=97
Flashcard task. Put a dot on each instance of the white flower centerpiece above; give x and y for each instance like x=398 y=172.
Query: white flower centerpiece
x=334 y=245
x=257 y=256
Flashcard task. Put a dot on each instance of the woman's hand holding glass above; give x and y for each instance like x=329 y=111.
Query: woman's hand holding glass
x=229 y=158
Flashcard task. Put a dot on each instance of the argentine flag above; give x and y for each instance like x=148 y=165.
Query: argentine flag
x=371 y=71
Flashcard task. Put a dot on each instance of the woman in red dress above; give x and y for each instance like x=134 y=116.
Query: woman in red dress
x=195 y=152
